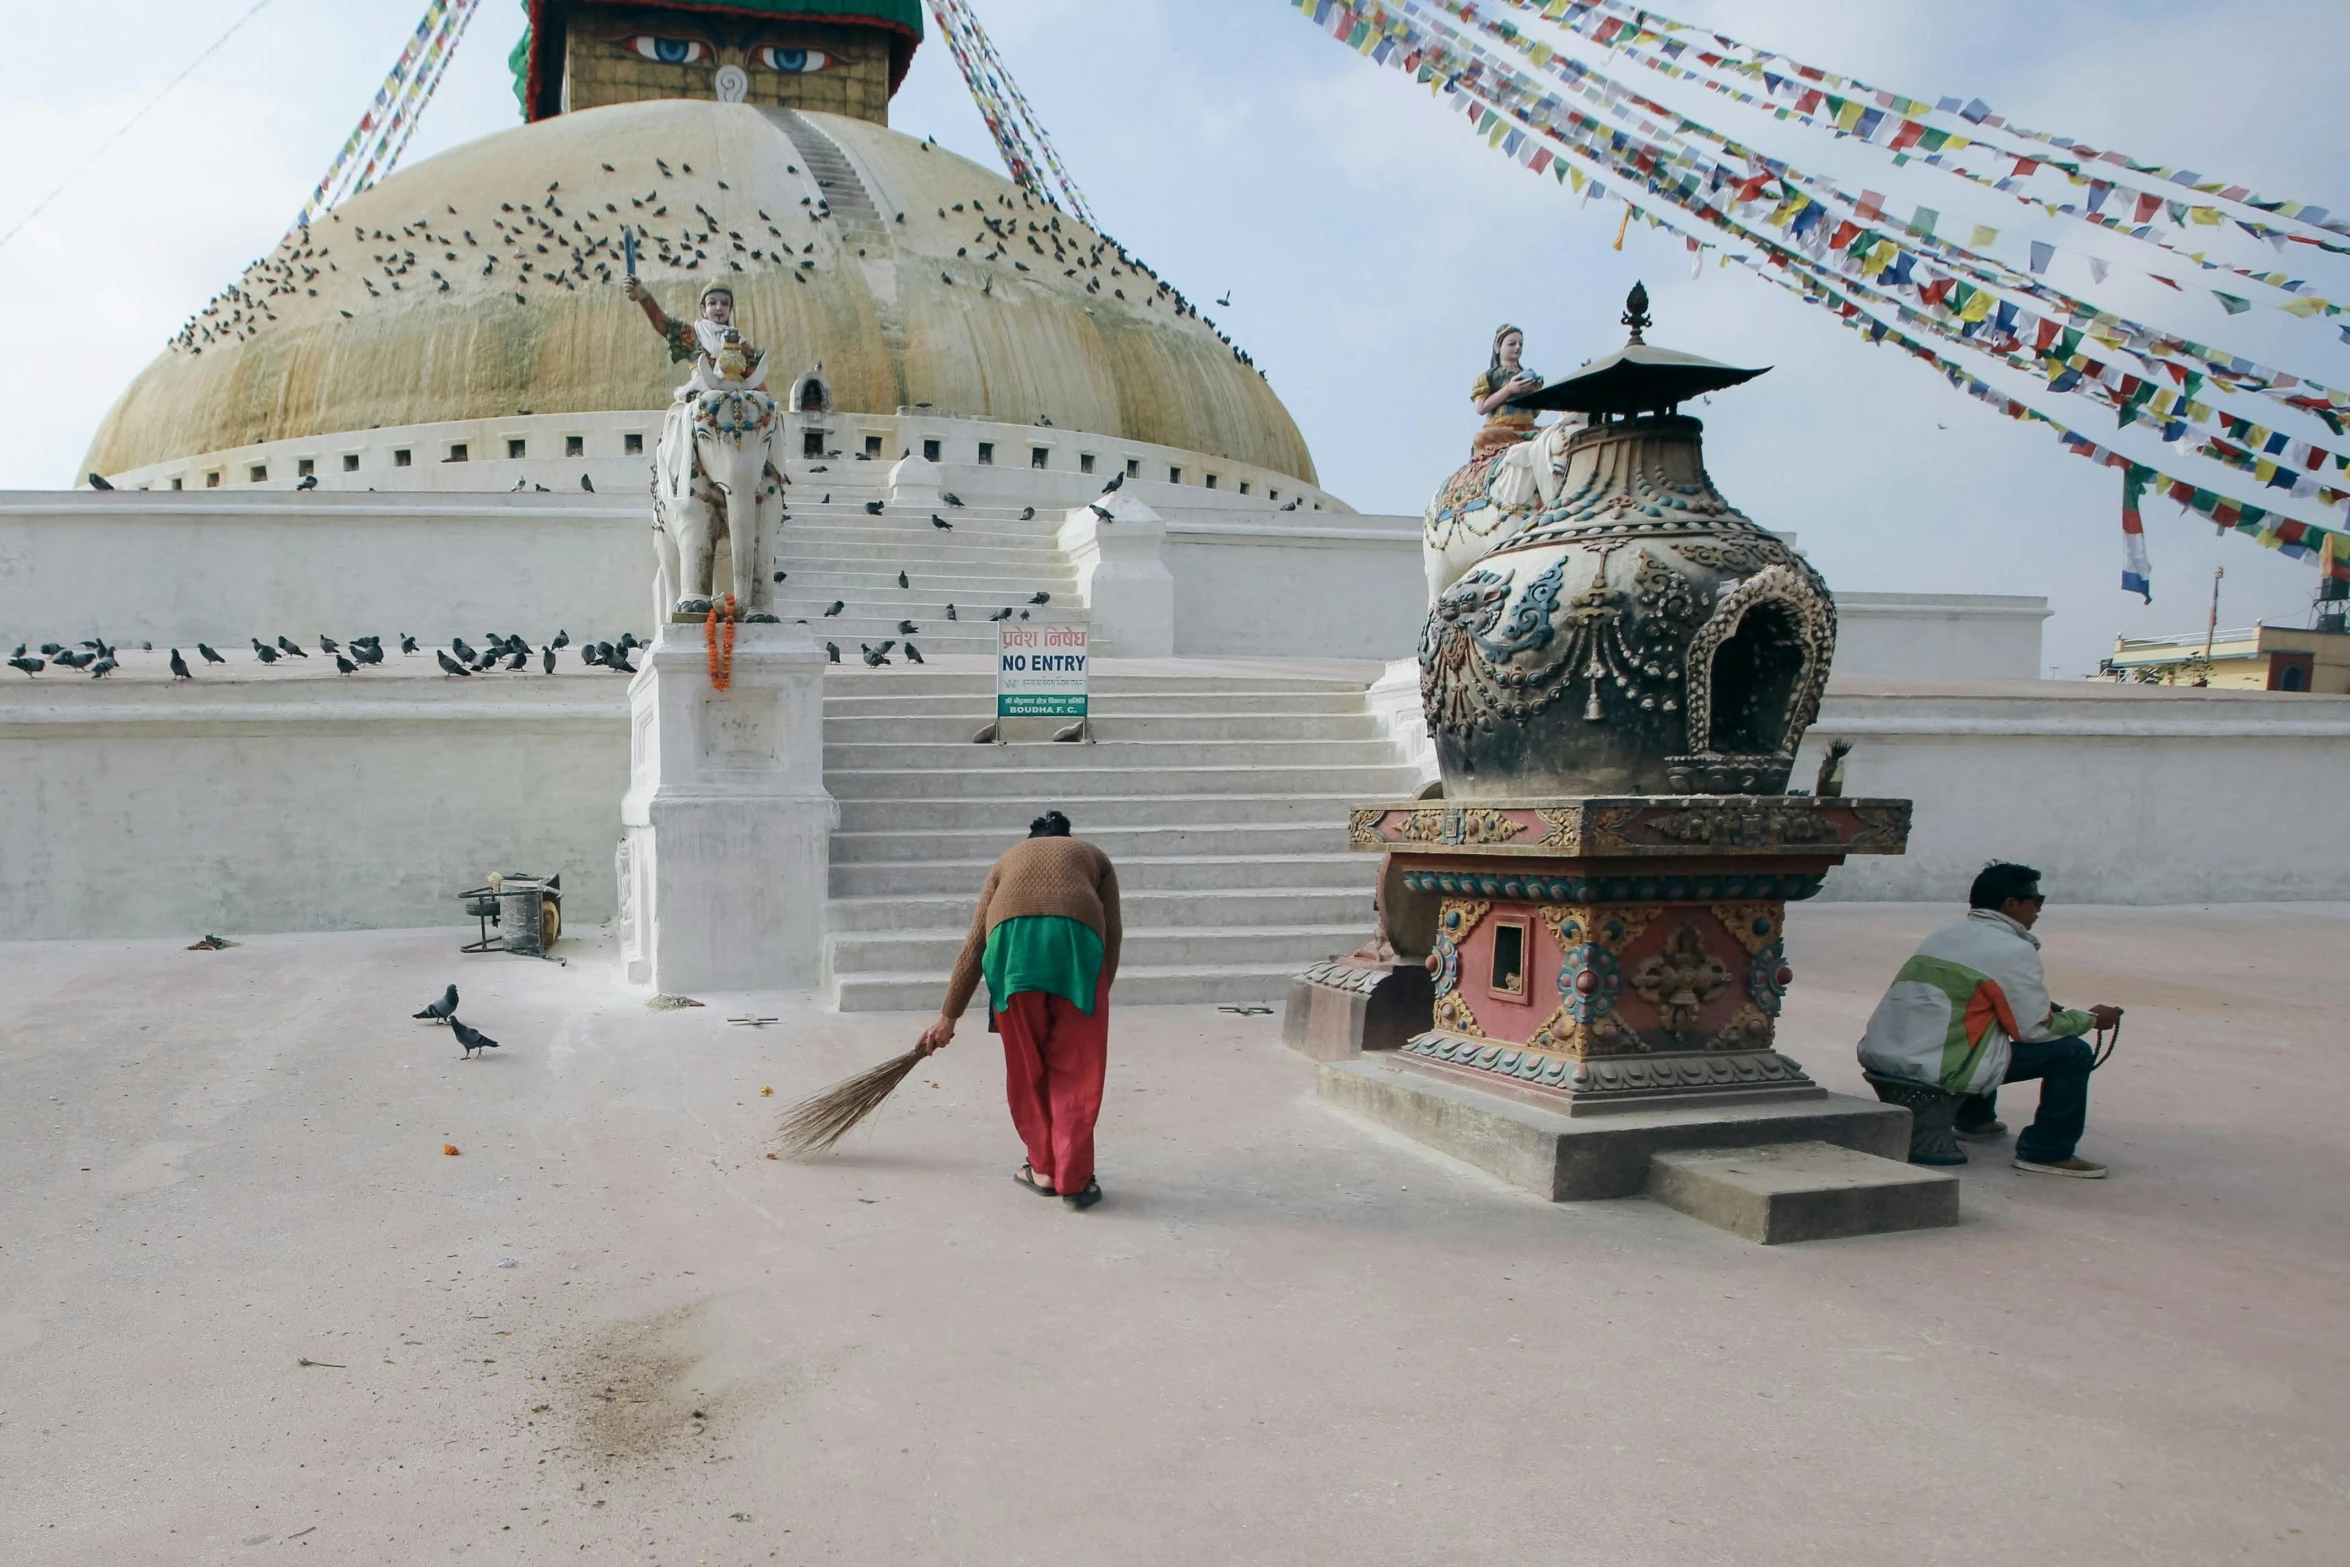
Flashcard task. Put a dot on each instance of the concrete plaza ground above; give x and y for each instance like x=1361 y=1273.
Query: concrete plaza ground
x=1284 y=1338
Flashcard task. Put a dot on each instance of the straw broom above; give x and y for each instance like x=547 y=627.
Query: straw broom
x=815 y=1124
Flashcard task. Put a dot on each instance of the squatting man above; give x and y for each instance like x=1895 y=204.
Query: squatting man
x=1971 y=1011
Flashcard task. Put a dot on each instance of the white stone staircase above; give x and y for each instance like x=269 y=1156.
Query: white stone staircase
x=1221 y=792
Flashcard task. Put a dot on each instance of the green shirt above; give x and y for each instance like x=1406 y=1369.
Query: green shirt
x=1048 y=952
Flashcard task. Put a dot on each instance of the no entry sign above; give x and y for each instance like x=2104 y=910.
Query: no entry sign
x=1039 y=671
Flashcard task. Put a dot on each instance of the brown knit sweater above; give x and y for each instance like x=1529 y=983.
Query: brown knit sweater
x=1065 y=876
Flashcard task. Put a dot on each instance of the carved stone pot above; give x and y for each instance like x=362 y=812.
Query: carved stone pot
x=1640 y=637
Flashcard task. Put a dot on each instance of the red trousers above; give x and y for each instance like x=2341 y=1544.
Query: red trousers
x=1054 y=1057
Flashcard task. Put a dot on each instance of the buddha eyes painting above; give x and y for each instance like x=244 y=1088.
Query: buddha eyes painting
x=790 y=62
x=670 y=51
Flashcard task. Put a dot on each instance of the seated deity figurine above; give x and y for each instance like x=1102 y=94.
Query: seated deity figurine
x=715 y=471
x=1503 y=379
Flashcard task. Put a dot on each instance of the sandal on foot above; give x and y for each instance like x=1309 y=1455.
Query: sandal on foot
x=1026 y=1176
x=1086 y=1198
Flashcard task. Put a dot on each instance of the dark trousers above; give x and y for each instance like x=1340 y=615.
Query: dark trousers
x=2062 y=1066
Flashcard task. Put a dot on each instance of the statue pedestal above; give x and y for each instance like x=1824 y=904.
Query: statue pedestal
x=723 y=874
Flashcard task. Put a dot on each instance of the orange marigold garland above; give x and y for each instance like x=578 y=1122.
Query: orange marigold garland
x=721 y=662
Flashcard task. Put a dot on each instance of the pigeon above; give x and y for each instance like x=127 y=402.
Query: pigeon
x=828 y=497
x=367 y=652
x=1001 y=614
x=1099 y=510
x=442 y=1010
x=817 y=467
x=588 y=654
x=951 y=615
x=907 y=628
x=779 y=576
x=450 y=666
x=179 y=666
x=587 y=484
x=458 y=647
x=407 y=643
x=1041 y=597
x=914 y=655
x=902 y=582
x=345 y=666
x=50 y=649
x=951 y=498
x=547 y=659
x=266 y=653
x=1027 y=514
x=618 y=663
x=628 y=640
x=873 y=508
x=875 y=657
x=937 y=521
x=98 y=482
x=104 y=666
x=470 y=1037
x=31 y=666
x=284 y=646
x=562 y=639
x=521 y=657
x=832 y=652
x=837 y=606
x=146 y=647
x=210 y=657
x=1023 y=614
x=1116 y=479
x=327 y=645
x=308 y=481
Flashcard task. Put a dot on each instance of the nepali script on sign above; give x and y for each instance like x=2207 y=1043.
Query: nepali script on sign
x=1040 y=671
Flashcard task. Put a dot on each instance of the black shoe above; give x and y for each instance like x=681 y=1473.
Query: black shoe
x=1086 y=1198
x=1985 y=1132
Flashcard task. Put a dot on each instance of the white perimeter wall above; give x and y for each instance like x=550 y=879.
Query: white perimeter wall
x=1254 y=589
x=1939 y=636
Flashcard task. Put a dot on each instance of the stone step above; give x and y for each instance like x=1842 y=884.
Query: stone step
x=1181 y=842
x=1802 y=1191
x=1137 y=872
x=948 y=913
x=1138 y=985
x=1094 y=815
x=1298 y=708
x=1154 y=759
x=1107 y=679
x=1037 y=774
x=929 y=952
x=957 y=727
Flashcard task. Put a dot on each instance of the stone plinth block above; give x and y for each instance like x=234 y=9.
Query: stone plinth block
x=913 y=481
x=724 y=866
x=1121 y=573
x=1340 y=1009
x=1577 y=1158
x=1805 y=1191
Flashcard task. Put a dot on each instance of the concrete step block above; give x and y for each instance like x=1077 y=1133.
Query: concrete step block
x=875 y=729
x=1052 y=773
x=948 y=911
x=928 y=952
x=842 y=700
x=1137 y=985
x=1137 y=873
x=1802 y=1191
x=1094 y=815
x=1192 y=842
x=1148 y=759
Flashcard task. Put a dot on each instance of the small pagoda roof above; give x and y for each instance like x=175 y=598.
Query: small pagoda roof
x=1637 y=378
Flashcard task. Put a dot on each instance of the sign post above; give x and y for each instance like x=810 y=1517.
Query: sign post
x=1040 y=672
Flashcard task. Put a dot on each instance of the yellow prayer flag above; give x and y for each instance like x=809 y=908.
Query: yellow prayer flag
x=1978 y=308
x=1983 y=238
x=2306 y=306
x=2205 y=215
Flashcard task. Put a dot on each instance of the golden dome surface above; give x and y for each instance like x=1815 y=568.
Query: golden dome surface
x=483 y=283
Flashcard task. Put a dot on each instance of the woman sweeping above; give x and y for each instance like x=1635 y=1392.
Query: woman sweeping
x=1045 y=939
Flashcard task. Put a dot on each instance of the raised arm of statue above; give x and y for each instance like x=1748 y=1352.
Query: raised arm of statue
x=677 y=334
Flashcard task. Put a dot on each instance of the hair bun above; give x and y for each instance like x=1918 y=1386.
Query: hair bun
x=1052 y=824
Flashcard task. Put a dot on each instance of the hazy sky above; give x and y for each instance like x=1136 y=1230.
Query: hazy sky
x=1369 y=242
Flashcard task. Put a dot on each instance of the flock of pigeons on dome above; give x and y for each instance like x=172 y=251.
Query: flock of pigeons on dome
x=543 y=243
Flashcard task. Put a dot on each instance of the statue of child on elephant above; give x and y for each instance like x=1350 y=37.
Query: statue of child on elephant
x=717 y=475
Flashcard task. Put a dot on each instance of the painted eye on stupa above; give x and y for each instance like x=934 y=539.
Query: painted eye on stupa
x=670 y=51
x=791 y=62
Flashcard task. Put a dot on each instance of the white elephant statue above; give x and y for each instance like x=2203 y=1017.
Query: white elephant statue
x=1491 y=501
x=719 y=476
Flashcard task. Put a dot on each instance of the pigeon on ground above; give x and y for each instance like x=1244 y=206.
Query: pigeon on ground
x=521 y=657
x=873 y=508
x=1001 y=614
x=875 y=657
x=367 y=652
x=837 y=606
x=470 y=1037
x=779 y=576
x=907 y=628
x=937 y=521
x=179 y=666
x=285 y=646
x=1041 y=597
x=103 y=667
x=442 y=1010
x=588 y=654
x=1027 y=514
x=951 y=498
x=832 y=652
x=828 y=497
x=98 y=482
x=547 y=659
x=326 y=644
x=951 y=615
x=587 y=484
x=562 y=639
x=450 y=666
x=345 y=666
x=1023 y=614
x=263 y=651
x=914 y=655
x=407 y=643
x=31 y=666
x=308 y=481
x=628 y=640
x=210 y=657
x=1099 y=510
x=1116 y=479
x=458 y=647
x=618 y=663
